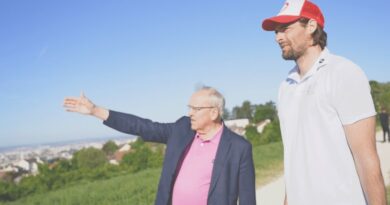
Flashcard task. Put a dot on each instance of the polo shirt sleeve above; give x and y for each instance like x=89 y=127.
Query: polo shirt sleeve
x=351 y=93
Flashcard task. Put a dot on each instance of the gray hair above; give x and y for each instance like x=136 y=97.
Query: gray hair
x=216 y=98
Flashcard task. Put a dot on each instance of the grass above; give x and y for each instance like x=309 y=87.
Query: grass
x=388 y=195
x=141 y=187
x=268 y=161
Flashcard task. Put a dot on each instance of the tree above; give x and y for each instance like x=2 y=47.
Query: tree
x=271 y=133
x=63 y=165
x=245 y=111
x=381 y=95
x=110 y=148
x=252 y=135
x=89 y=158
x=137 y=160
x=266 y=111
x=138 y=143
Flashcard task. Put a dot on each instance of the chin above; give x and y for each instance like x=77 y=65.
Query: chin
x=193 y=127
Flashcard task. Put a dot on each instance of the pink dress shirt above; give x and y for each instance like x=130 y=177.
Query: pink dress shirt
x=193 y=181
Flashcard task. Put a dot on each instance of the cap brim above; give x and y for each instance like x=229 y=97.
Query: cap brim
x=271 y=23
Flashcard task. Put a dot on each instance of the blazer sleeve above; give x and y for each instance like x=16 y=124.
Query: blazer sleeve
x=147 y=129
x=247 y=187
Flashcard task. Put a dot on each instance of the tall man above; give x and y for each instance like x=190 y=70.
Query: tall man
x=327 y=117
x=205 y=162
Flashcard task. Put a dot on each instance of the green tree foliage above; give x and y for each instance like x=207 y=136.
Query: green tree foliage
x=137 y=160
x=381 y=95
x=271 y=133
x=63 y=165
x=89 y=158
x=46 y=176
x=252 y=135
x=266 y=111
x=143 y=156
x=245 y=111
x=138 y=144
x=87 y=165
x=5 y=191
x=110 y=148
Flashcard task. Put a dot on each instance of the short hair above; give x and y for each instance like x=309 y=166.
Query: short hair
x=216 y=98
x=319 y=35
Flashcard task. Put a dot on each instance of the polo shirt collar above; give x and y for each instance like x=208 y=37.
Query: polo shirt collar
x=214 y=139
x=295 y=78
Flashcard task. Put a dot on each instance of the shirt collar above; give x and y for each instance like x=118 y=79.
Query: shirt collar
x=295 y=78
x=214 y=139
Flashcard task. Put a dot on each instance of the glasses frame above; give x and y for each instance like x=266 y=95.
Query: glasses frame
x=199 y=108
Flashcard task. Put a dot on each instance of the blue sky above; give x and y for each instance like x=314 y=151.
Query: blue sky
x=147 y=57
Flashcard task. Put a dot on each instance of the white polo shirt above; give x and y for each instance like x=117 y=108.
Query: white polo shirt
x=319 y=167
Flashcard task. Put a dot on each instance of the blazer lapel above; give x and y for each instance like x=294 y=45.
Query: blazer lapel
x=185 y=141
x=220 y=158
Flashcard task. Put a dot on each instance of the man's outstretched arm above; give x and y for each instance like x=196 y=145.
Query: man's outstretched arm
x=123 y=122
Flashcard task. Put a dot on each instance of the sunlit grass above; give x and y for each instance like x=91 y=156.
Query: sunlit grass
x=268 y=161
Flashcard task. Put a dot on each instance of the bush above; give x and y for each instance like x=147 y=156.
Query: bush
x=271 y=133
x=110 y=148
x=266 y=111
x=252 y=135
x=89 y=158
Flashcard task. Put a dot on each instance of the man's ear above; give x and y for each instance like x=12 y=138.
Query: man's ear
x=312 y=26
x=214 y=114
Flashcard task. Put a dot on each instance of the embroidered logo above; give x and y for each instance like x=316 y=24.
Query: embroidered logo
x=284 y=7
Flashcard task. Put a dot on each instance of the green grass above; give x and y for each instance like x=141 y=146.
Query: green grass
x=388 y=195
x=268 y=161
x=140 y=188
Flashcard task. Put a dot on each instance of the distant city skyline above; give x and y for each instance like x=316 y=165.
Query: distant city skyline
x=147 y=57
x=4 y=148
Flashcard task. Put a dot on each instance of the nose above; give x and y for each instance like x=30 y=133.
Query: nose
x=190 y=112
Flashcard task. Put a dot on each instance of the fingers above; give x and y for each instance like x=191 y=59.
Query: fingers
x=71 y=110
x=72 y=104
x=71 y=101
x=78 y=104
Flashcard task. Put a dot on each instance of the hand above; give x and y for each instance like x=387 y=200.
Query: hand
x=80 y=104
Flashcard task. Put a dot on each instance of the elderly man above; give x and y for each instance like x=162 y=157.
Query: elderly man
x=205 y=162
x=327 y=116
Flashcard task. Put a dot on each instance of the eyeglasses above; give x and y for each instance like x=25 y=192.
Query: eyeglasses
x=197 y=109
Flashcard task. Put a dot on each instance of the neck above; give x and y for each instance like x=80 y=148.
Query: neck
x=307 y=60
x=209 y=131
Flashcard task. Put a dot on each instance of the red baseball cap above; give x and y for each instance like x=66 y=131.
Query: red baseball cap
x=291 y=11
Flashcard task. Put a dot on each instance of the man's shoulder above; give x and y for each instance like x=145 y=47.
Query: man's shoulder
x=338 y=63
x=341 y=69
x=236 y=138
x=183 y=121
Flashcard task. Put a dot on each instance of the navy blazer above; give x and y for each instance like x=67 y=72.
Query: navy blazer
x=233 y=175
